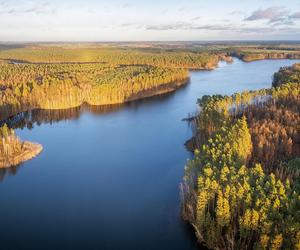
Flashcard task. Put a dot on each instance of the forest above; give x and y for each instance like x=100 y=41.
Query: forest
x=241 y=190
x=254 y=54
x=56 y=77
x=59 y=86
x=59 y=77
x=111 y=56
x=13 y=151
x=287 y=74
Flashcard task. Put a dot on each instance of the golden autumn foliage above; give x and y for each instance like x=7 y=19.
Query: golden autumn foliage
x=64 y=76
x=236 y=196
x=110 y=55
x=13 y=151
x=261 y=53
x=59 y=86
x=61 y=77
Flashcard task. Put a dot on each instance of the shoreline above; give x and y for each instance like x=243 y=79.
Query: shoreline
x=156 y=91
x=29 y=151
x=208 y=162
x=268 y=56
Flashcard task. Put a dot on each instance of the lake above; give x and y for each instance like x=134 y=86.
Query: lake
x=108 y=178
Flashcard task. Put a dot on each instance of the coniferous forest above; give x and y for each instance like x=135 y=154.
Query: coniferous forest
x=150 y=125
x=61 y=77
x=242 y=189
x=58 y=78
x=13 y=151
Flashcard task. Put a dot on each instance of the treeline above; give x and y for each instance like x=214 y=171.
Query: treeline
x=10 y=143
x=60 y=77
x=111 y=56
x=287 y=74
x=249 y=55
x=241 y=191
x=59 y=86
x=54 y=78
x=13 y=151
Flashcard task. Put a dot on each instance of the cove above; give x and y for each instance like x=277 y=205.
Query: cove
x=109 y=178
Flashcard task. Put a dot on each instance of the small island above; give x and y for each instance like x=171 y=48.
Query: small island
x=13 y=151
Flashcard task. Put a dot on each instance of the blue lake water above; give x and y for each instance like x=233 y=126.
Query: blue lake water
x=110 y=179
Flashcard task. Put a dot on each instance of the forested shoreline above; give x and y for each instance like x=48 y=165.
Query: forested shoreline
x=61 y=77
x=260 y=54
x=241 y=190
x=25 y=87
x=56 y=78
x=243 y=181
x=13 y=151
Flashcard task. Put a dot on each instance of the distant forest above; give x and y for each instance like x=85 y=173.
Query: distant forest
x=63 y=77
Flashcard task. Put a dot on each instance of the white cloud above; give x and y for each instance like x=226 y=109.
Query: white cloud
x=272 y=14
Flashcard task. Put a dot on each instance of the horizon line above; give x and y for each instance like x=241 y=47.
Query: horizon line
x=153 y=41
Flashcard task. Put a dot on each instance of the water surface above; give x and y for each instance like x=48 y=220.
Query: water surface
x=108 y=179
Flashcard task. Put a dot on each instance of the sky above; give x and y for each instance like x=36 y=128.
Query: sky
x=144 y=20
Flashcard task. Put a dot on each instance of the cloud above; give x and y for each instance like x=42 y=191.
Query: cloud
x=165 y=11
x=171 y=26
x=196 y=18
x=126 y=5
x=188 y=26
x=237 y=13
x=222 y=28
x=272 y=14
x=36 y=8
x=295 y=15
x=3 y=4
x=275 y=16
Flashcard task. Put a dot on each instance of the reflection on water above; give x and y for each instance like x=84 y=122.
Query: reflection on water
x=4 y=172
x=109 y=180
x=38 y=117
x=41 y=116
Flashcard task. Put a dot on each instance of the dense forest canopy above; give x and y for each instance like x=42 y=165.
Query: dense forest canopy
x=55 y=77
x=40 y=75
x=58 y=77
x=241 y=191
x=58 y=86
x=287 y=74
x=111 y=56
